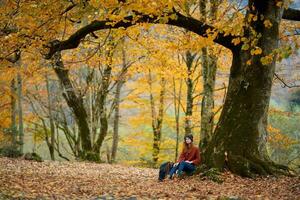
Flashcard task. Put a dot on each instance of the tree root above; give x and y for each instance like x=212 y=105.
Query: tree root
x=253 y=166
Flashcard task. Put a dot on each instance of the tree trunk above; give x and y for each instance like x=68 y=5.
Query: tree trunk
x=239 y=141
x=52 y=128
x=116 y=123
x=13 y=126
x=157 y=120
x=209 y=69
x=101 y=104
x=189 y=95
x=177 y=102
x=75 y=103
x=119 y=86
x=20 y=113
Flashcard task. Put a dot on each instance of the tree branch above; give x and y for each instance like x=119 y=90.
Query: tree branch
x=284 y=84
x=182 y=21
x=291 y=14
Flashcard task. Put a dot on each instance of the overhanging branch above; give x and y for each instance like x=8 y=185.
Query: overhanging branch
x=182 y=21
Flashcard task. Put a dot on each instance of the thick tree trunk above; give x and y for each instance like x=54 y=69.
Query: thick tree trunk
x=239 y=141
x=75 y=103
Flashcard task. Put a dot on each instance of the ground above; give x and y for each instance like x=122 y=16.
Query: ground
x=21 y=179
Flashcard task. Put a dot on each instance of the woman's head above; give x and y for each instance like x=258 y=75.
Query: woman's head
x=188 y=142
x=188 y=139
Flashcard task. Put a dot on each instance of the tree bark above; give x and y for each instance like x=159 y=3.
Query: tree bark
x=239 y=141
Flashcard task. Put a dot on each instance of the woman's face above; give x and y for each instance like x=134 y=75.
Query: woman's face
x=188 y=140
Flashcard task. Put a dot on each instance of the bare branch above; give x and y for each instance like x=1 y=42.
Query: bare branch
x=291 y=14
x=284 y=84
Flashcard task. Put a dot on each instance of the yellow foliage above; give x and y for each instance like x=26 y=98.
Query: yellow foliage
x=279 y=140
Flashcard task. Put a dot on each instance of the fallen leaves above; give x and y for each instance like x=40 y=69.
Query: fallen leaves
x=82 y=180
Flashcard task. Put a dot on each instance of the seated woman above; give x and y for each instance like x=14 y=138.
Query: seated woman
x=188 y=159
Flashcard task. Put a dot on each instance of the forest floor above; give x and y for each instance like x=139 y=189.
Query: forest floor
x=21 y=179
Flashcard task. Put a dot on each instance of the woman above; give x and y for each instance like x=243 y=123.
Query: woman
x=188 y=159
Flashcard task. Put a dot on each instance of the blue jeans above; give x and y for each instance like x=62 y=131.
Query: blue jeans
x=182 y=167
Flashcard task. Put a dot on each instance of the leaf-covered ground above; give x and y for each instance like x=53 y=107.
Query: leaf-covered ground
x=22 y=179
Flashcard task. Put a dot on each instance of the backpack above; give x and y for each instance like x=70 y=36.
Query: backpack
x=164 y=170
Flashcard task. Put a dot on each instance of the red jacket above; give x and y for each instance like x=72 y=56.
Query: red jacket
x=193 y=154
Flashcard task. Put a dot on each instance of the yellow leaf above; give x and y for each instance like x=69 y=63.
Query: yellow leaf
x=279 y=3
x=245 y=47
x=267 y=23
x=256 y=51
x=236 y=41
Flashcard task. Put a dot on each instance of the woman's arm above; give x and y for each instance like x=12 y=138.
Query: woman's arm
x=197 y=159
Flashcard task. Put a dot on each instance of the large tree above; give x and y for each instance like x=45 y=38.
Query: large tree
x=240 y=137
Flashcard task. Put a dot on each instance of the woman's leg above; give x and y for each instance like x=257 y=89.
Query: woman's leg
x=185 y=167
x=172 y=171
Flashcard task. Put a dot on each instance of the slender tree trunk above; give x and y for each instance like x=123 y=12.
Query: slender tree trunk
x=13 y=112
x=239 y=141
x=189 y=95
x=91 y=115
x=116 y=123
x=20 y=112
x=157 y=120
x=52 y=128
x=177 y=102
x=101 y=103
x=75 y=103
x=119 y=86
x=209 y=69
